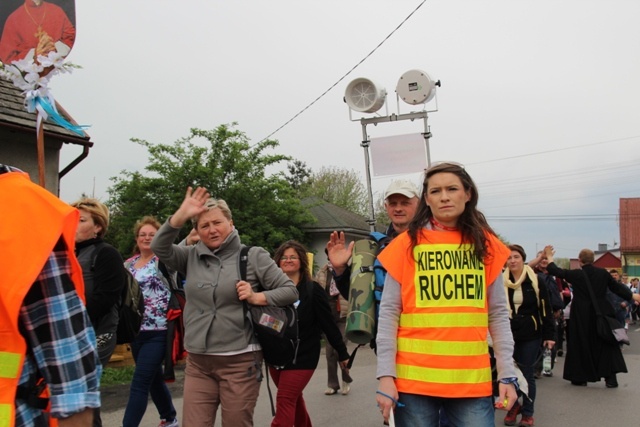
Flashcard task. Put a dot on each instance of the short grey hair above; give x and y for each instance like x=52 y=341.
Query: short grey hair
x=212 y=203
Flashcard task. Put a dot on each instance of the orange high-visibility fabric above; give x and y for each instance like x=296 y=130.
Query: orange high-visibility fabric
x=442 y=332
x=32 y=221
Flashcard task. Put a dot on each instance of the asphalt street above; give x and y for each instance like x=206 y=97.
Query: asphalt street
x=558 y=402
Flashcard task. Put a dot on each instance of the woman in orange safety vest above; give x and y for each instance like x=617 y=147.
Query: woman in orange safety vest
x=442 y=296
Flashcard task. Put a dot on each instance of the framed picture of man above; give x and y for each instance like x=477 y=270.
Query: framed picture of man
x=31 y=28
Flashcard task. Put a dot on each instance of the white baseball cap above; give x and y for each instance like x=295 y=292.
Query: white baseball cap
x=404 y=187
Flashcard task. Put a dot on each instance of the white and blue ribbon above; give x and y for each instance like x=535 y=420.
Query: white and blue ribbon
x=45 y=106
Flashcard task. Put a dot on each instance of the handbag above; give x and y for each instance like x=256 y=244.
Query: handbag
x=607 y=327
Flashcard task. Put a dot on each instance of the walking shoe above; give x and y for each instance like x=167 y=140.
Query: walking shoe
x=165 y=423
x=526 y=421
x=611 y=381
x=510 y=419
x=547 y=373
x=560 y=353
x=346 y=387
x=330 y=391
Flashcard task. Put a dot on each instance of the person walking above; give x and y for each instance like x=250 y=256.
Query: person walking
x=224 y=360
x=532 y=324
x=48 y=349
x=589 y=358
x=314 y=318
x=103 y=277
x=339 y=308
x=442 y=295
x=149 y=347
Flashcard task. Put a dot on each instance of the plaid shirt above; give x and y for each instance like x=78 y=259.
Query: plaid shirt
x=61 y=345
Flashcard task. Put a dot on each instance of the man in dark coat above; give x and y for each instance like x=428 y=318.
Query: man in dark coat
x=588 y=357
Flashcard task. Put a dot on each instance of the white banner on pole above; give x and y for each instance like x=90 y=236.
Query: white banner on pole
x=399 y=154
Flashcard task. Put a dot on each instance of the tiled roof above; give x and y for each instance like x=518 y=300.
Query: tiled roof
x=630 y=225
x=330 y=217
x=14 y=115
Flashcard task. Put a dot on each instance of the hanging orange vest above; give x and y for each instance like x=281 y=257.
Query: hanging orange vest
x=32 y=220
x=442 y=332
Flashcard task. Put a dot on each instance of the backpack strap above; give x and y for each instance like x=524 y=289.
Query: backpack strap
x=96 y=249
x=243 y=260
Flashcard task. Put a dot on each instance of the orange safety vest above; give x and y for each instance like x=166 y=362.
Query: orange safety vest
x=442 y=332
x=32 y=220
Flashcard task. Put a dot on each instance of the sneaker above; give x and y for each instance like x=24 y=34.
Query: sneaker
x=346 y=387
x=330 y=391
x=547 y=373
x=526 y=421
x=510 y=419
x=165 y=423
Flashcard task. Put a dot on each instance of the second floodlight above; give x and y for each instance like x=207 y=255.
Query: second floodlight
x=416 y=87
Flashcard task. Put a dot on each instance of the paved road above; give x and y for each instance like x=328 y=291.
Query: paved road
x=558 y=403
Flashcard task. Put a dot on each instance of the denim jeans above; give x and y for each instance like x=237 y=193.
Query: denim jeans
x=148 y=352
x=525 y=354
x=425 y=411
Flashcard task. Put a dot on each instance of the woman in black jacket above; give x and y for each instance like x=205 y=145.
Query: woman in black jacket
x=314 y=318
x=531 y=324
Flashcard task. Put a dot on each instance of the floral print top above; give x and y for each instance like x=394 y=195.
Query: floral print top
x=156 y=294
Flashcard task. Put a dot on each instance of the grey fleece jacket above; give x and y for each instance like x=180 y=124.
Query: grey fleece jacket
x=214 y=317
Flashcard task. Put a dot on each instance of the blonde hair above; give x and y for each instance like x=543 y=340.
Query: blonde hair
x=98 y=211
x=212 y=203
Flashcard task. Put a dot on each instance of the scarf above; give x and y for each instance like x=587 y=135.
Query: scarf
x=517 y=289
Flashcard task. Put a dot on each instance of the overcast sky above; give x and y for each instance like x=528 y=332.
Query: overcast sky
x=539 y=99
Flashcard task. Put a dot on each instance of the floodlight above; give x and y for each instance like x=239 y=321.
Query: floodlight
x=364 y=96
x=416 y=87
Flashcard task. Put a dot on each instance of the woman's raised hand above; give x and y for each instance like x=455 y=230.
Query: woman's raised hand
x=192 y=205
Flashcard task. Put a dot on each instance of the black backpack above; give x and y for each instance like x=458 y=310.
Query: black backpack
x=555 y=298
x=131 y=310
x=276 y=328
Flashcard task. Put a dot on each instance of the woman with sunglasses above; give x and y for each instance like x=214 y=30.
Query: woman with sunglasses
x=442 y=295
x=314 y=318
x=103 y=275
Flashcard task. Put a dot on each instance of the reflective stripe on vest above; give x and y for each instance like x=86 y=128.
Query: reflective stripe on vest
x=442 y=347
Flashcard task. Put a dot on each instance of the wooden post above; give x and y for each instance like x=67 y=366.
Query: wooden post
x=40 y=148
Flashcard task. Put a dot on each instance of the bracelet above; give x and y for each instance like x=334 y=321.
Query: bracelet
x=397 y=403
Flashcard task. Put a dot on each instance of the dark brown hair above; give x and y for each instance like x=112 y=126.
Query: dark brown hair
x=520 y=250
x=472 y=223
x=301 y=252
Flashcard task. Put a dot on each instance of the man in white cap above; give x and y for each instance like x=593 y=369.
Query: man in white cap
x=401 y=202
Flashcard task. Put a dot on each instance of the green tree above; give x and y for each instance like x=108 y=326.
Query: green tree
x=339 y=186
x=299 y=175
x=266 y=209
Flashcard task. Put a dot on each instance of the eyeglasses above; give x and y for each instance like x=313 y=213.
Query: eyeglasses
x=289 y=258
x=143 y=235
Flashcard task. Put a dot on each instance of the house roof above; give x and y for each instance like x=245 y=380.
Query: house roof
x=13 y=115
x=608 y=260
x=630 y=224
x=330 y=217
